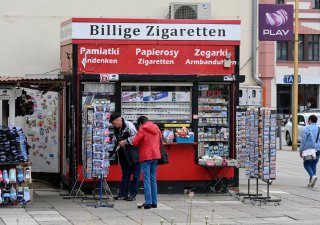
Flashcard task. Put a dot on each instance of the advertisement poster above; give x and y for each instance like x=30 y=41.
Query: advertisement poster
x=275 y=22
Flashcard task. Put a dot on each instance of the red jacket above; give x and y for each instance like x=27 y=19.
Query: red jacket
x=148 y=139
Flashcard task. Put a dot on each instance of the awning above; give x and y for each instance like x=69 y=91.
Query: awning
x=41 y=84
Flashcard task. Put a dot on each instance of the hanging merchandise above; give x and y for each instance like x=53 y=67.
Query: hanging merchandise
x=24 y=104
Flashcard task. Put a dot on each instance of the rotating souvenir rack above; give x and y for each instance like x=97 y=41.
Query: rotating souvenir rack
x=97 y=142
x=256 y=148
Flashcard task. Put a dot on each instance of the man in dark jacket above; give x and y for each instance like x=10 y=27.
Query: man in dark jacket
x=128 y=154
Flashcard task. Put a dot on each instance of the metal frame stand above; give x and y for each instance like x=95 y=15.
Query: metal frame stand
x=243 y=196
x=261 y=199
x=103 y=186
x=215 y=180
x=74 y=194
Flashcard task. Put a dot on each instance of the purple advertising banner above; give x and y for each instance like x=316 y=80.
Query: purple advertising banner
x=275 y=22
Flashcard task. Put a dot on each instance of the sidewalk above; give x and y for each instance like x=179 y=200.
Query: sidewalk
x=300 y=205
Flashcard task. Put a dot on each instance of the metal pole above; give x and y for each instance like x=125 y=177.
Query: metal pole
x=72 y=149
x=295 y=79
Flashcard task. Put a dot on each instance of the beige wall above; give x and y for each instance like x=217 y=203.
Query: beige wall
x=30 y=29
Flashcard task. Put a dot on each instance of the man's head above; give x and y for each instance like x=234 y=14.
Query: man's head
x=313 y=119
x=116 y=120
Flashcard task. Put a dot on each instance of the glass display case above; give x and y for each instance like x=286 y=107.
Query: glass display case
x=161 y=102
x=214 y=117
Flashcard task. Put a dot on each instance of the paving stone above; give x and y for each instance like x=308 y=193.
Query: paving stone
x=120 y=221
x=49 y=218
x=55 y=223
x=51 y=212
x=87 y=222
x=12 y=211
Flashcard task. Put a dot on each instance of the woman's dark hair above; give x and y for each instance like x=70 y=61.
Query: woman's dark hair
x=142 y=120
x=313 y=119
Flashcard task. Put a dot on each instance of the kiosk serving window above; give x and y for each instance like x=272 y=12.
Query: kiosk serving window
x=160 y=102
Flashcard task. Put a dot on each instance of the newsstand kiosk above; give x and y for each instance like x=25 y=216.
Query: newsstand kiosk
x=178 y=73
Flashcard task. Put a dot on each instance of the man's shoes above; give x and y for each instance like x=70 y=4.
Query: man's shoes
x=131 y=198
x=145 y=206
x=154 y=206
x=120 y=197
x=313 y=181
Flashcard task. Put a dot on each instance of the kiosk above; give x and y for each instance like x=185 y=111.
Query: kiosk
x=178 y=73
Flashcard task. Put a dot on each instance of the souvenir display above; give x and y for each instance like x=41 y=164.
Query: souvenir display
x=268 y=146
x=97 y=135
x=256 y=142
x=213 y=127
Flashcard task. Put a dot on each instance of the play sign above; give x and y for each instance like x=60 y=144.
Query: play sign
x=275 y=22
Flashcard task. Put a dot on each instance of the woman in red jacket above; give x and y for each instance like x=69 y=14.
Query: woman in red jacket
x=148 y=139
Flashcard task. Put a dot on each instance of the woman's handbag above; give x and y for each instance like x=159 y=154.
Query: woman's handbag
x=309 y=154
x=164 y=155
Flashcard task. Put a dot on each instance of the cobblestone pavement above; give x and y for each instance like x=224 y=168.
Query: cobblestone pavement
x=299 y=205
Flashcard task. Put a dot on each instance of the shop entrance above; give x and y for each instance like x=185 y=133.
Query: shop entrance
x=4 y=114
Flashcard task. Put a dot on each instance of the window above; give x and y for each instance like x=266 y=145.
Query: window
x=301 y=47
x=316 y=4
x=301 y=120
x=282 y=50
x=308 y=48
x=280 y=1
x=313 y=47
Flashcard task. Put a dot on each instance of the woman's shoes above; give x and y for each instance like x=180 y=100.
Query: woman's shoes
x=147 y=206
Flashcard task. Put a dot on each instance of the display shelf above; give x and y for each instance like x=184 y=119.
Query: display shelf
x=15 y=163
x=212 y=140
x=163 y=105
x=175 y=143
x=213 y=120
x=16 y=189
x=155 y=102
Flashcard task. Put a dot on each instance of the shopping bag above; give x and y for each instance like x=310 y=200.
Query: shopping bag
x=164 y=155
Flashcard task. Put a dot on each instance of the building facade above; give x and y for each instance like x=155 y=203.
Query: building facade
x=31 y=40
x=276 y=62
